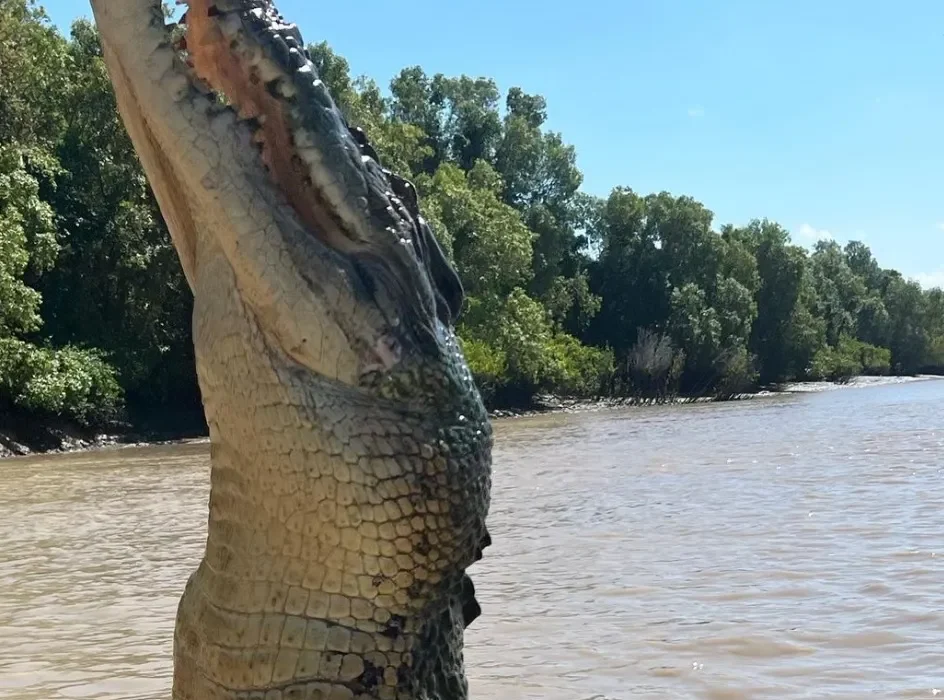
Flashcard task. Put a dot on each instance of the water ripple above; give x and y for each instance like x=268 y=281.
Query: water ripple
x=782 y=548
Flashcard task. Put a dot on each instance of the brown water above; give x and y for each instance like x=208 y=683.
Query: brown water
x=788 y=547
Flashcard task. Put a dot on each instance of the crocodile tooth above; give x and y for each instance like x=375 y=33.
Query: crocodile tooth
x=292 y=30
x=312 y=87
x=281 y=50
x=296 y=57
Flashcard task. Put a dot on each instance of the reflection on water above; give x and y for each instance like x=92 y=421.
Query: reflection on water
x=780 y=548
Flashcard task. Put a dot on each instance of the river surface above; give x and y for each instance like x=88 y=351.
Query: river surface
x=786 y=547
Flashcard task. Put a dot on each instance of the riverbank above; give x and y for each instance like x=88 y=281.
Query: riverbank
x=23 y=437
x=62 y=437
x=557 y=404
x=562 y=404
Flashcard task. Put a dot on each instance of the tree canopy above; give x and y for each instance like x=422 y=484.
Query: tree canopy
x=567 y=293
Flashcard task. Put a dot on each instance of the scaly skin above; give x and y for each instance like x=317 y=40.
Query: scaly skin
x=350 y=449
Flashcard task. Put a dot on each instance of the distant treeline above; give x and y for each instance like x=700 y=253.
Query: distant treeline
x=567 y=293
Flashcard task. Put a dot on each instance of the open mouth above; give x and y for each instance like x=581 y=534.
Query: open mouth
x=366 y=219
x=258 y=62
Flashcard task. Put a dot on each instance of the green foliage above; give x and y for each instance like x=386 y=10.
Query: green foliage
x=875 y=360
x=849 y=358
x=566 y=292
x=571 y=303
x=516 y=351
x=118 y=285
x=33 y=62
x=27 y=239
x=736 y=371
x=491 y=246
x=489 y=365
x=839 y=291
x=577 y=369
x=69 y=382
x=694 y=324
x=830 y=364
x=629 y=274
x=517 y=327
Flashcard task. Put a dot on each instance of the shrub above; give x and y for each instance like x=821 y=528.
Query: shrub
x=737 y=372
x=875 y=360
x=487 y=364
x=577 y=369
x=653 y=365
x=515 y=352
x=849 y=358
x=69 y=382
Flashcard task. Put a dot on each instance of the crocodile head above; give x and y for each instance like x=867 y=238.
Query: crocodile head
x=350 y=449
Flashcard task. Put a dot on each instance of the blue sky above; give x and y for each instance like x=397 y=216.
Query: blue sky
x=825 y=116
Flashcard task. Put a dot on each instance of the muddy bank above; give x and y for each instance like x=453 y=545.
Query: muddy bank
x=72 y=439
x=560 y=404
x=21 y=436
x=51 y=438
x=551 y=404
x=854 y=383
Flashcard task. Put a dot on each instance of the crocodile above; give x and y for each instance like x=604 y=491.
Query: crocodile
x=350 y=451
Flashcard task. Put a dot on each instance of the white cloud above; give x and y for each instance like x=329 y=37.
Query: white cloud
x=812 y=235
x=929 y=280
x=696 y=112
x=939 y=225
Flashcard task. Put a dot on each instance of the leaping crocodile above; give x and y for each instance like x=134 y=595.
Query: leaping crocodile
x=350 y=450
